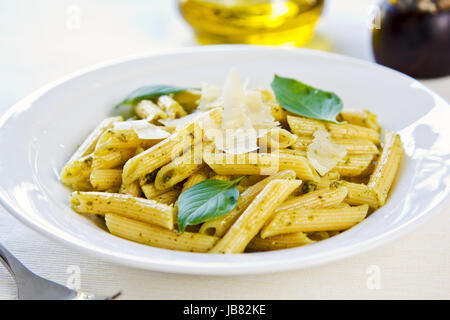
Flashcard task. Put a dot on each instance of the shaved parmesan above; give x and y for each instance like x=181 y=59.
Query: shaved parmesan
x=323 y=153
x=143 y=129
x=234 y=107
x=211 y=97
x=245 y=116
x=183 y=121
x=259 y=112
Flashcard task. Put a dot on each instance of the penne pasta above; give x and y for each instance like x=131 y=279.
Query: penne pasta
x=270 y=178
x=317 y=219
x=324 y=198
x=150 y=191
x=76 y=173
x=188 y=99
x=168 y=197
x=254 y=217
x=178 y=170
x=352 y=146
x=104 y=179
x=277 y=138
x=146 y=109
x=219 y=226
x=140 y=209
x=302 y=126
x=166 y=150
x=259 y=164
x=156 y=156
x=172 y=108
x=362 y=118
x=355 y=165
x=387 y=166
x=156 y=236
x=88 y=145
x=283 y=241
x=360 y=194
x=199 y=176
x=132 y=189
x=107 y=159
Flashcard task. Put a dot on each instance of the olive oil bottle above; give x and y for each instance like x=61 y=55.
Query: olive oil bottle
x=267 y=22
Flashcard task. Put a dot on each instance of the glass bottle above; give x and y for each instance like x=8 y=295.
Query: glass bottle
x=414 y=37
x=267 y=22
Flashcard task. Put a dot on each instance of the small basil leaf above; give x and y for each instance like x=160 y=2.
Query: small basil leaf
x=206 y=200
x=305 y=100
x=150 y=92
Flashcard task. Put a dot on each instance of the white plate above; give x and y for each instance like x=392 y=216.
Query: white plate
x=40 y=132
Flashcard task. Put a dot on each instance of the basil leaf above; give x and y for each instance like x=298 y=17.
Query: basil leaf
x=305 y=100
x=206 y=200
x=150 y=92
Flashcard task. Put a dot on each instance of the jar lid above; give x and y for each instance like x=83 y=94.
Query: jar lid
x=429 y=6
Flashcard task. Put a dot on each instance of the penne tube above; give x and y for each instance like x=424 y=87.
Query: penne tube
x=219 y=226
x=320 y=235
x=77 y=170
x=283 y=241
x=172 y=108
x=259 y=164
x=359 y=194
x=88 y=145
x=362 y=118
x=255 y=216
x=277 y=138
x=188 y=99
x=155 y=236
x=325 y=198
x=146 y=109
x=150 y=191
x=108 y=159
x=178 y=169
x=167 y=150
x=327 y=179
x=132 y=189
x=387 y=166
x=122 y=138
x=302 y=126
x=140 y=209
x=168 y=197
x=76 y=173
x=104 y=179
x=199 y=176
x=355 y=165
x=318 y=219
x=352 y=146
x=156 y=156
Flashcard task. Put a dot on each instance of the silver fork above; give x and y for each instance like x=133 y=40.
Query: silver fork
x=32 y=287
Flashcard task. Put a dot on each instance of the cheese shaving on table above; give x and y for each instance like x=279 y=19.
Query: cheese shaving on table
x=143 y=129
x=245 y=116
x=323 y=153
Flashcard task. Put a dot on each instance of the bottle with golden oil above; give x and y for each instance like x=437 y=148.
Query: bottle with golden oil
x=267 y=22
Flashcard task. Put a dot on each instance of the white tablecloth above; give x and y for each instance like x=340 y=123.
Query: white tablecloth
x=41 y=41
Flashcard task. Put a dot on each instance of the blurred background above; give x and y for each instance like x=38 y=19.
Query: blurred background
x=43 y=40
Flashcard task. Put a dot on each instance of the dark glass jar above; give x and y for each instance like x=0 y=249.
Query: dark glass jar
x=414 y=37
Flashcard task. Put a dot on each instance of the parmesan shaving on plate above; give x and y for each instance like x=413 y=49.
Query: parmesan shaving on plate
x=211 y=97
x=245 y=116
x=323 y=153
x=143 y=129
x=183 y=121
